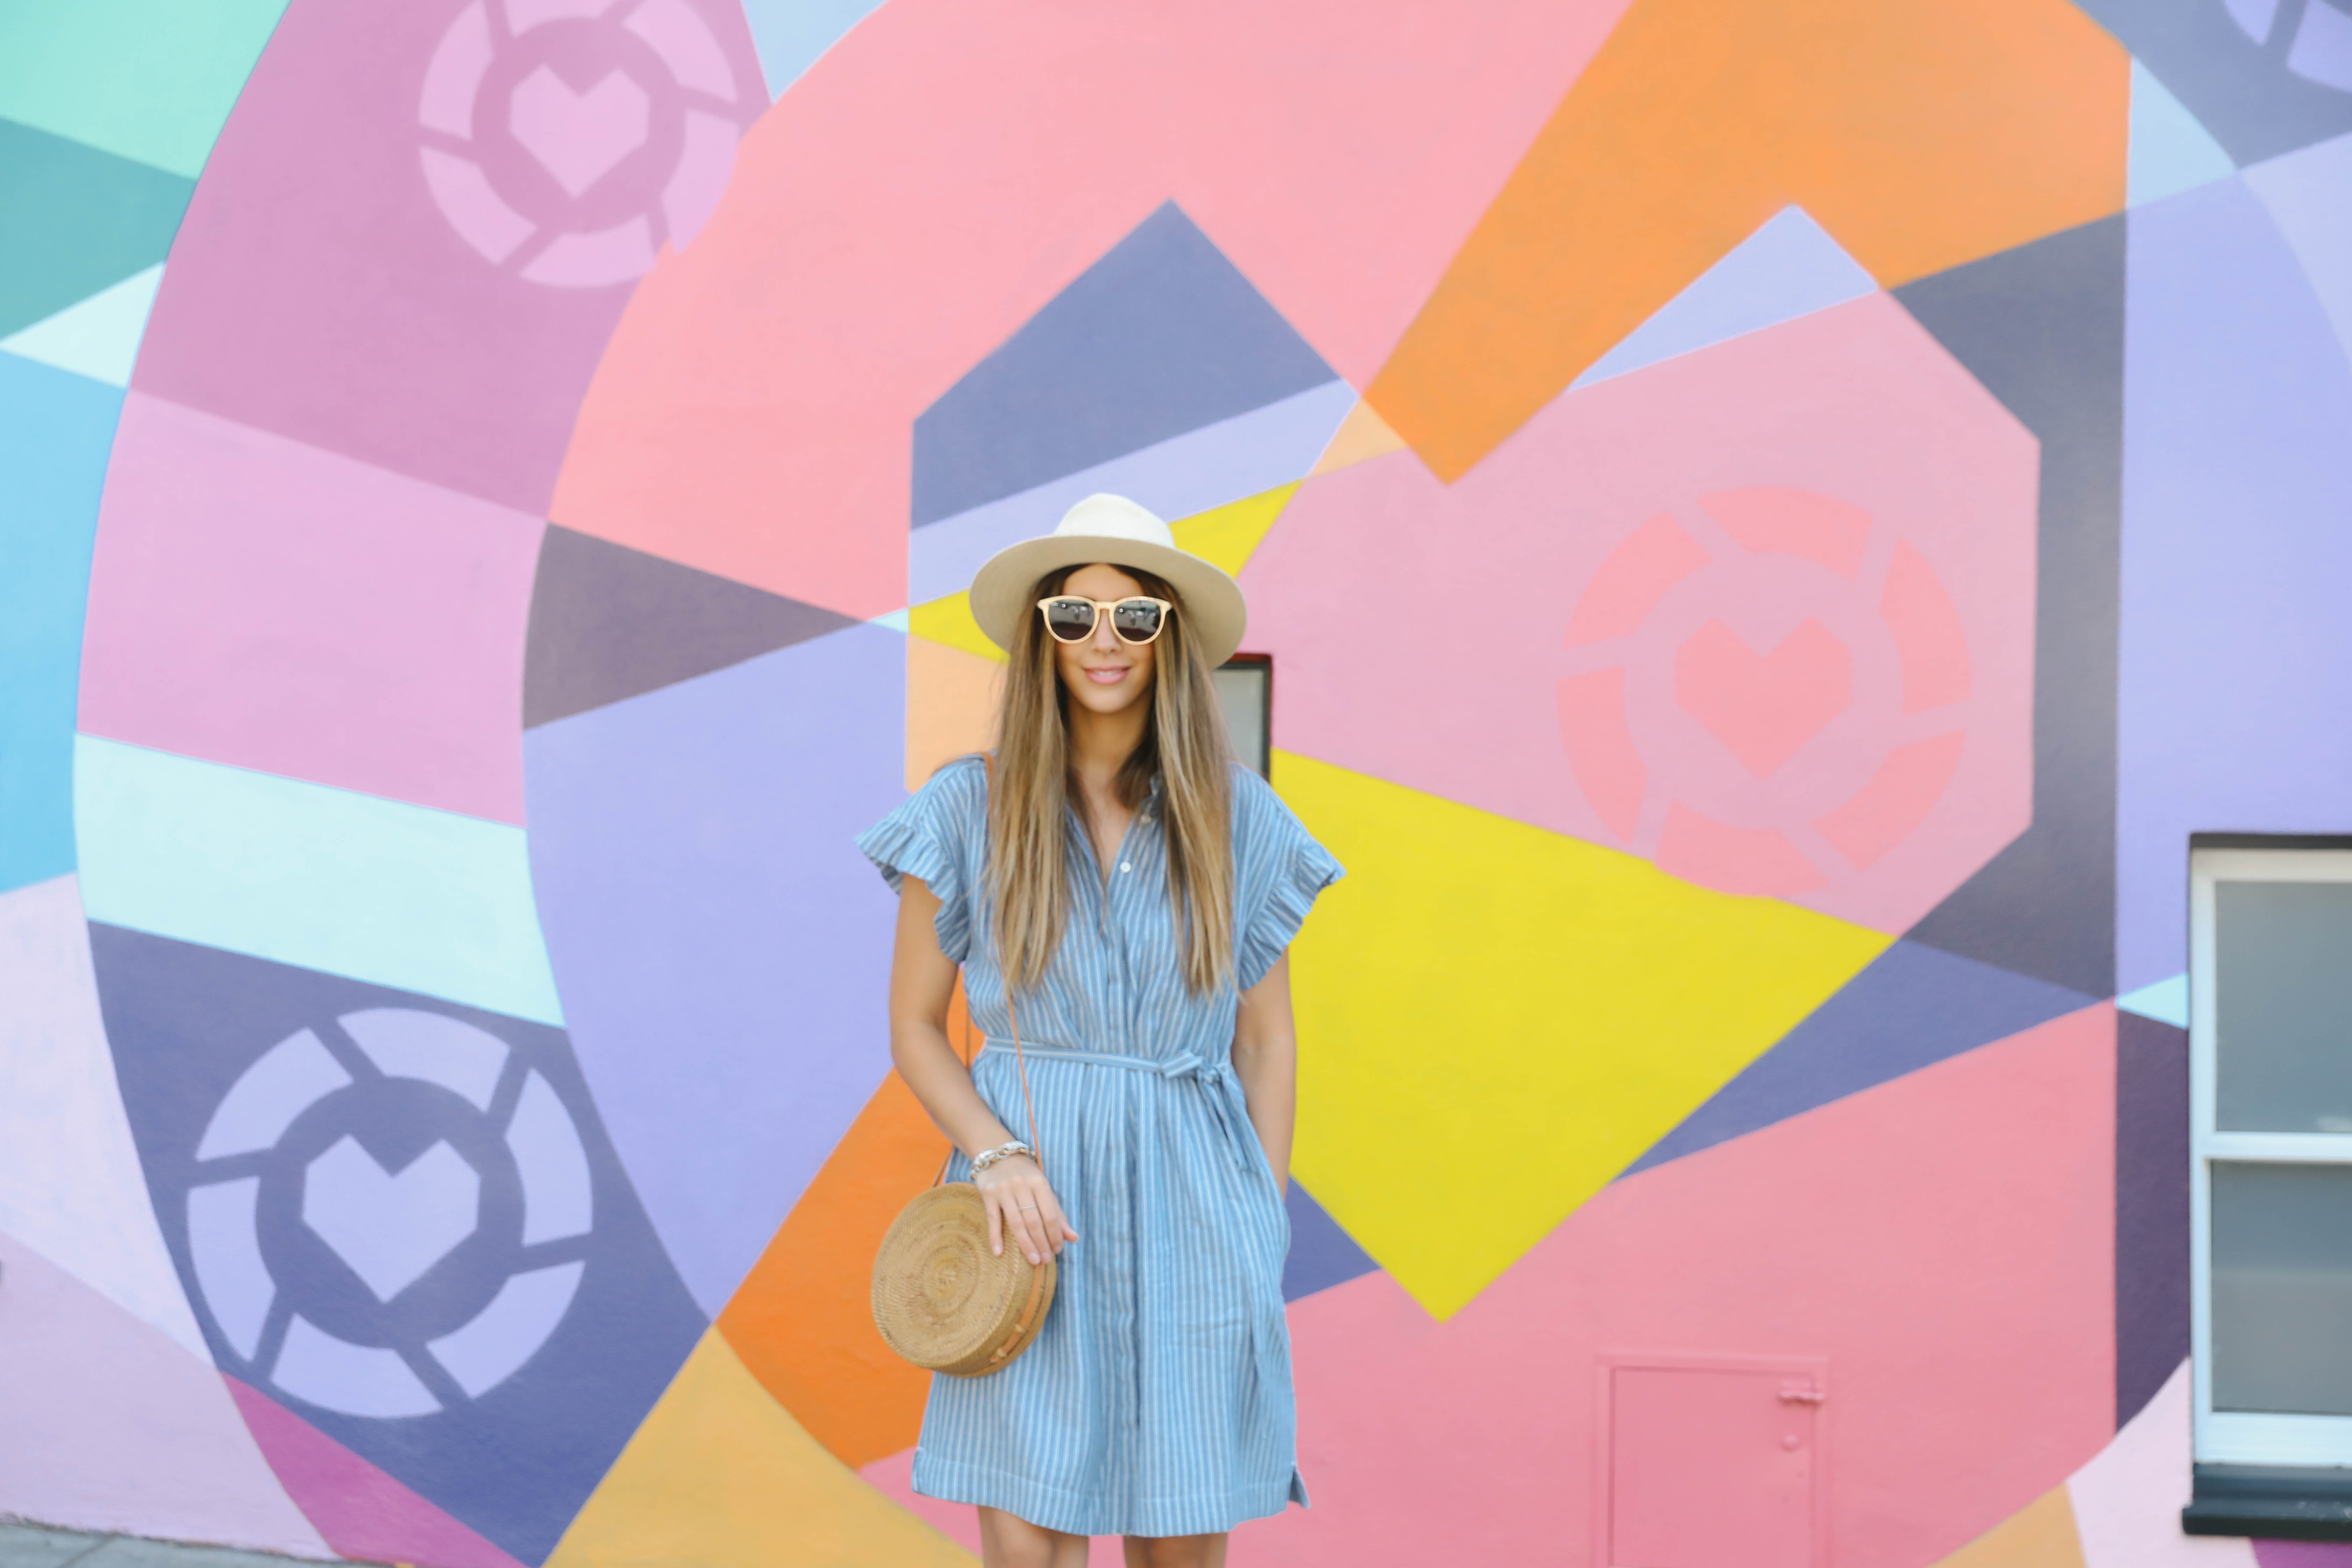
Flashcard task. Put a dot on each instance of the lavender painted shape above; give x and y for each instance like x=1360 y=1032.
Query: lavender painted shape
x=722 y=948
x=2235 y=650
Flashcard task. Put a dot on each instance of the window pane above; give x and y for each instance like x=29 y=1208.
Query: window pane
x=2283 y=1288
x=2283 y=953
x=1241 y=688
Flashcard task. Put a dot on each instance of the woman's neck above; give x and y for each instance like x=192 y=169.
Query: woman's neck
x=1100 y=744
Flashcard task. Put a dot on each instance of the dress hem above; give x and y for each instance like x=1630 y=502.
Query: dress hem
x=1051 y=1508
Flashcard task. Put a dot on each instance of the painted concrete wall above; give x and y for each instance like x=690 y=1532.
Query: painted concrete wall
x=1773 y=520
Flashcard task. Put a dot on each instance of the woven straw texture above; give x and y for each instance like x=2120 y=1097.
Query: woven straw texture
x=943 y=1301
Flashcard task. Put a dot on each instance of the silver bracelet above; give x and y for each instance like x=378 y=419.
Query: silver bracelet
x=1005 y=1152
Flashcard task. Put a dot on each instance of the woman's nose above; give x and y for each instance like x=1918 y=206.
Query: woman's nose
x=1106 y=640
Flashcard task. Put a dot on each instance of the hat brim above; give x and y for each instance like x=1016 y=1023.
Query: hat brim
x=1211 y=601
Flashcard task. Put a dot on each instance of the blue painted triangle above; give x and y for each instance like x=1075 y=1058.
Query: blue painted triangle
x=1321 y=1254
x=1789 y=268
x=98 y=337
x=2170 y=151
x=1912 y=1007
x=790 y=35
x=2166 y=1001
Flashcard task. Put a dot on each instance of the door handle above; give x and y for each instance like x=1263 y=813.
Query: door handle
x=1800 y=1394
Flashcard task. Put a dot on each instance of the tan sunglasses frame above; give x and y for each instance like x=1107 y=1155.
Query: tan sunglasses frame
x=1103 y=607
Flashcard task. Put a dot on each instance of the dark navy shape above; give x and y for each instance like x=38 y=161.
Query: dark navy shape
x=2042 y=328
x=2247 y=93
x=1321 y=1254
x=608 y=622
x=2151 y=1208
x=516 y=1463
x=1911 y=1008
x=1161 y=336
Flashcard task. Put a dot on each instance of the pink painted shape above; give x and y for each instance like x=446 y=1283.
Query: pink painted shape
x=1794 y=522
x=362 y=1513
x=2127 y=1500
x=578 y=136
x=1600 y=748
x=1867 y=827
x=1764 y=705
x=357 y=319
x=1653 y=558
x=106 y=1424
x=1943 y=1242
x=451 y=81
x=686 y=47
x=959 y=1522
x=592 y=260
x=1856 y=403
x=1678 y=1434
x=477 y=210
x=257 y=602
x=1934 y=646
x=1758 y=861
x=752 y=416
x=693 y=193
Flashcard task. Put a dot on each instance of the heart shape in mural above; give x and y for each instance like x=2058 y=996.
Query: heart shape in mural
x=578 y=137
x=391 y=1228
x=1764 y=706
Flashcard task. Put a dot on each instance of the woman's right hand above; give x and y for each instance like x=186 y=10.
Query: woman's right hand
x=1023 y=1207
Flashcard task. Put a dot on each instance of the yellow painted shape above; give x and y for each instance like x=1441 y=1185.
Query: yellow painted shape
x=950 y=621
x=2042 y=1534
x=1226 y=535
x=720 y=1476
x=1363 y=435
x=951 y=700
x=1494 y=1020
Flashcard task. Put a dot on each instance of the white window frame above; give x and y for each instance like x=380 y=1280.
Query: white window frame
x=2235 y=1436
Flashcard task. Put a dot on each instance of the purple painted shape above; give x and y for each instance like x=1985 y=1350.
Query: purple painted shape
x=2322 y=47
x=2303 y=1553
x=2236 y=650
x=1321 y=1254
x=722 y=949
x=360 y=318
x=2151 y=1208
x=362 y=1513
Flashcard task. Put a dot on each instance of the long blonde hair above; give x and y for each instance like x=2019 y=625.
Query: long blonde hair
x=1183 y=742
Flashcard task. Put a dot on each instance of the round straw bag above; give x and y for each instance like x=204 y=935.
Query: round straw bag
x=941 y=1299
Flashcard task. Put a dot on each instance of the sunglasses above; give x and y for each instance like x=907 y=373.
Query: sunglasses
x=1136 y=620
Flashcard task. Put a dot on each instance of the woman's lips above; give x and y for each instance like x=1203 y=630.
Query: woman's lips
x=1110 y=677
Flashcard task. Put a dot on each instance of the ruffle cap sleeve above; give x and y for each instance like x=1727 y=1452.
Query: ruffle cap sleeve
x=1278 y=869
x=932 y=837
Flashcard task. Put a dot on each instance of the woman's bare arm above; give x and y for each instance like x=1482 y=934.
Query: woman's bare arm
x=922 y=983
x=1266 y=1059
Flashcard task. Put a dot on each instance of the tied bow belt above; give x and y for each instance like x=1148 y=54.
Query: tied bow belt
x=1217 y=1078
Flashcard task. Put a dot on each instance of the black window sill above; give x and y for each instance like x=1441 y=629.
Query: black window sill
x=2274 y=1502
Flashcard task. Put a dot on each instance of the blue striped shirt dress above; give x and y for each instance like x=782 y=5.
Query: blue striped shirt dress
x=1156 y=1398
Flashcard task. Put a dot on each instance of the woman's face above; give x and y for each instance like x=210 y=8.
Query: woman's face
x=1103 y=674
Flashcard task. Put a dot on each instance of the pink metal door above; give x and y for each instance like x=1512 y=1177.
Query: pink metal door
x=1711 y=1464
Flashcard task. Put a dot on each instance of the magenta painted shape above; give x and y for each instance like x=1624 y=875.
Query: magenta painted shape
x=1800 y=551
x=2303 y=1553
x=258 y=602
x=478 y=189
x=362 y=1513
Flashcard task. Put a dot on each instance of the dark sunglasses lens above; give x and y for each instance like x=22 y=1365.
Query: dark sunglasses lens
x=1071 y=620
x=1136 y=620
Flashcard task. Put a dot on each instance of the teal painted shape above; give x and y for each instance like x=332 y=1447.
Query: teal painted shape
x=74 y=220
x=2166 y=1001
x=56 y=431
x=151 y=80
x=2171 y=151
x=791 y=34
x=98 y=338
x=1789 y=268
x=323 y=878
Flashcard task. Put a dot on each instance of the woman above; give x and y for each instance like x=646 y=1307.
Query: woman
x=1137 y=889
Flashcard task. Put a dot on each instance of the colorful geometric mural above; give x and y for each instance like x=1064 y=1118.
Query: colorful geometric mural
x=1772 y=521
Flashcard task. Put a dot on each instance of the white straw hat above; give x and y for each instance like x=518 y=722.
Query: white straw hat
x=1113 y=530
